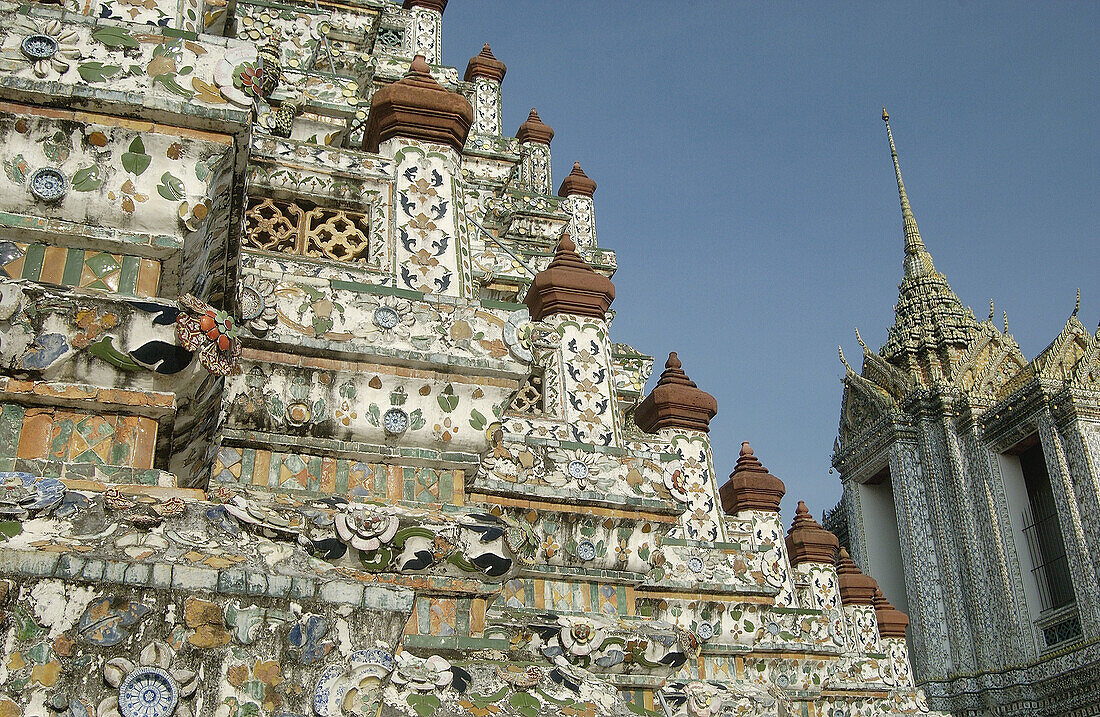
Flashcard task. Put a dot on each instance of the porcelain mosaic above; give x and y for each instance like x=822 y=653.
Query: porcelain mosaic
x=282 y=432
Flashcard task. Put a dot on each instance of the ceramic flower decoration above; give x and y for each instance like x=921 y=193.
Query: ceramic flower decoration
x=235 y=75
x=149 y=688
x=256 y=301
x=211 y=333
x=50 y=48
x=366 y=530
x=422 y=675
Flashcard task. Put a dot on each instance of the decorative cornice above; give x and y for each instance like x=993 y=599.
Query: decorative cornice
x=676 y=402
x=751 y=486
x=417 y=107
x=569 y=286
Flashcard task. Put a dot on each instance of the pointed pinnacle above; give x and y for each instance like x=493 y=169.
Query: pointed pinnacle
x=1077 y=305
x=917 y=259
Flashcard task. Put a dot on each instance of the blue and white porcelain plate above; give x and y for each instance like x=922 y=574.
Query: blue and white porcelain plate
x=48 y=184
x=38 y=47
x=586 y=550
x=395 y=421
x=148 y=692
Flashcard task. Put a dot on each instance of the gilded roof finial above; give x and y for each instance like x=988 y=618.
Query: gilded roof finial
x=1006 y=321
x=1077 y=305
x=992 y=311
x=860 y=340
x=917 y=259
x=843 y=360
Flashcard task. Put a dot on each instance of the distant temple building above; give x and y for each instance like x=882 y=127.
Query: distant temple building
x=972 y=494
x=309 y=403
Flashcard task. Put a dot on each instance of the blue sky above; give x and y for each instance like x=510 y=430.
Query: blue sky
x=745 y=179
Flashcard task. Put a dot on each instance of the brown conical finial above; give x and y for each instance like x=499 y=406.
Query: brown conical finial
x=484 y=64
x=856 y=588
x=437 y=5
x=807 y=541
x=417 y=107
x=675 y=402
x=751 y=486
x=534 y=129
x=891 y=621
x=569 y=286
x=577 y=182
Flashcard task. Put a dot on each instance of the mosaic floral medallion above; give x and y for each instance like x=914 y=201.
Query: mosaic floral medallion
x=48 y=184
x=49 y=46
x=586 y=550
x=578 y=470
x=705 y=631
x=395 y=421
x=695 y=564
x=257 y=304
x=386 y=318
x=38 y=47
x=148 y=692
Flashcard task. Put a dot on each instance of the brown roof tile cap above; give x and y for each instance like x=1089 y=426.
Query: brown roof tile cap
x=675 y=402
x=891 y=621
x=534 y=129
x=577 y=182
x=569 y=286
x=751 y=486
x=437 y=5
x=418 y=107
x=483 y=64
x=856 y=588
x=807 y=541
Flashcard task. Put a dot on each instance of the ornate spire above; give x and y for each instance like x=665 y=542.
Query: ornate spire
x=932 y=329
x=485 y=64
x=891 y=621
x=807 y=541
x=917 y=259
x=418 y=107
x=534 y=129
x=577 y=182
x=856 y=588
x=751 y=486
x=569 y=286
x=675 y=402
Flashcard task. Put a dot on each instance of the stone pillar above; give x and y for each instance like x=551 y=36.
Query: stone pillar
x=891 y=633
x=1071 y=522
x=919 y=550
x=486 y=73
x=857 y=594
x=423 y=127
x=570 y=296
x=426 y=28
x=534 y=168
x=812 y=552
x=753 y=494
x=578 y=189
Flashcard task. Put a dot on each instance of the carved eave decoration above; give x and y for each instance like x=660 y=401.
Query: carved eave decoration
x=1073 y=358
x=865 y=402
x=992 y=360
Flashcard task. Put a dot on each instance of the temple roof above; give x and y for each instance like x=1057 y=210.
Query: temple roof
x=932 y=327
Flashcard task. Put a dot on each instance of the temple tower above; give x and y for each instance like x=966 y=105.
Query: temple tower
x=970 y=494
